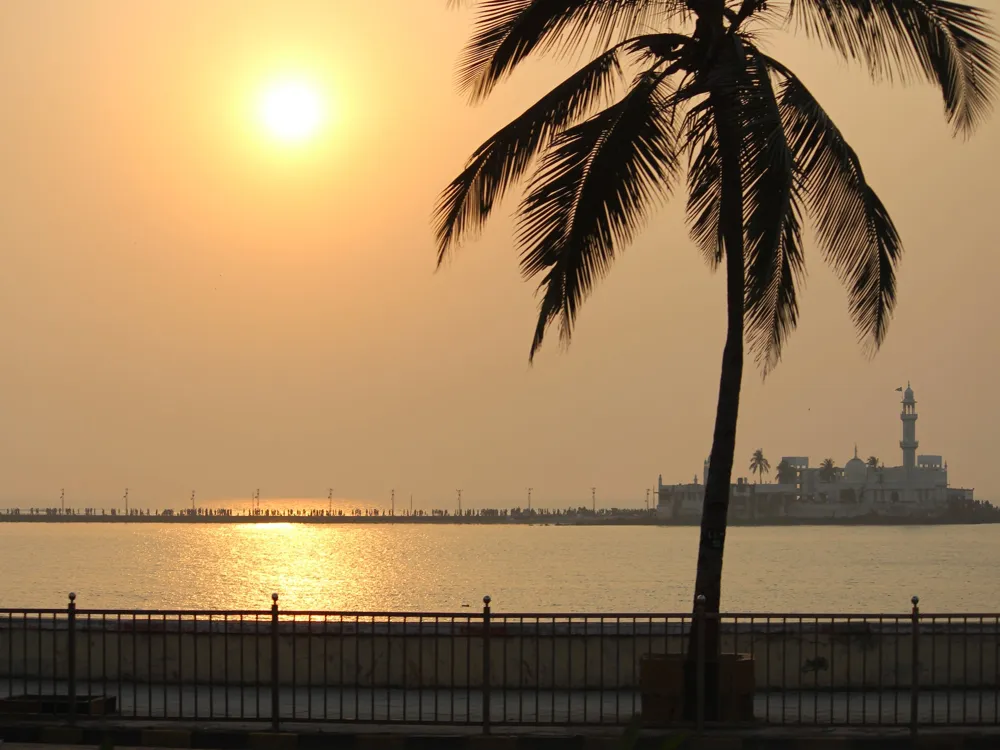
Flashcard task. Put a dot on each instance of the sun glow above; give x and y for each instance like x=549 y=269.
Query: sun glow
x=292 y=111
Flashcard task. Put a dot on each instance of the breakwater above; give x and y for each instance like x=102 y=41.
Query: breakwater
x=638 y=519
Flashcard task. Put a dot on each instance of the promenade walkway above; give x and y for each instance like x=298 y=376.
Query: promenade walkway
x=512 y=707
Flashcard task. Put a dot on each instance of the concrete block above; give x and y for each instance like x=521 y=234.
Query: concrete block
x=218 y=739
x=379 y=742
x=601 y=743
x=549 y=742
x=60 y=735
x=172 y=738
x=713 y=743
x=436 y=742
x=490 y=742
x=326 y=741
x=272 y=741
x=939 y=742
x=823 y=743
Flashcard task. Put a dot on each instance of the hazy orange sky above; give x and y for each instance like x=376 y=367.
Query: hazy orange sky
x=187 y=305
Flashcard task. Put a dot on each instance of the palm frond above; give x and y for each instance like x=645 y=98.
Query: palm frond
x=950 y=44
x=498 y=163
x=854 y=228
x=772 y=217
x=508 y=31
x=651 y=49
x=590 y=195
x=704 y=201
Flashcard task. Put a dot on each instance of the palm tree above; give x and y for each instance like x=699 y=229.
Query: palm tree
x=872 y=462
x=786 y=473
x=761 y=152
x=759 y=464
x=827 y=470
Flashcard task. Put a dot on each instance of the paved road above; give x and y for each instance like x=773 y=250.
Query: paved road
x=155 y=702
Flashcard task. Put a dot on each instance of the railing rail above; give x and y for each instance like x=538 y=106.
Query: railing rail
x=489 y=669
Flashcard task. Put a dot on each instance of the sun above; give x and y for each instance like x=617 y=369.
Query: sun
x=291 y=111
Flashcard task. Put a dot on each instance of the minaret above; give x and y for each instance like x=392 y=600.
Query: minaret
x=909 y=418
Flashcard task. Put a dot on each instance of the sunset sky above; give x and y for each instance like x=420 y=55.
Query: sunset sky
x=189 y=301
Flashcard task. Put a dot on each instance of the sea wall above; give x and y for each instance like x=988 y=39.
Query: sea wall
x=788 y=656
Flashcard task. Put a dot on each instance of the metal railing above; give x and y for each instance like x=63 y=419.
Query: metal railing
x=489 y=669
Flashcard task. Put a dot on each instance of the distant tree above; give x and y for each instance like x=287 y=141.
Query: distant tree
x=786 y=473
x=872 y=462
x=827 y=470
x=759 y=464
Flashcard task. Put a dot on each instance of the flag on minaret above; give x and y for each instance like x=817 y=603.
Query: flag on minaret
x=900 y=389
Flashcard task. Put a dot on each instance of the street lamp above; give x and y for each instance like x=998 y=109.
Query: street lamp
x=529 y=499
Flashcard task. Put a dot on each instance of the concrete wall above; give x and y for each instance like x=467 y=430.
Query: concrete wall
x=787 y=656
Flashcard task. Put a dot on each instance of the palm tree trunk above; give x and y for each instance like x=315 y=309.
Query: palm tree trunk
x=708 y=582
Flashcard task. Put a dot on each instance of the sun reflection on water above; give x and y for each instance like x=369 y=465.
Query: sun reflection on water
x=405 y=567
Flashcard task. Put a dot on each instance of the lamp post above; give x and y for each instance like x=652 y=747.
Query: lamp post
x=593 y=499
x=459 y=502
x=529 y=499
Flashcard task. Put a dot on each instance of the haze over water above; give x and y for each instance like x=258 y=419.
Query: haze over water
x=523 y=568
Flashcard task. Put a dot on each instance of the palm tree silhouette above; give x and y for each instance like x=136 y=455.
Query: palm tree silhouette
x=759 y=464
x=761 y=153
x=872 y=462
x=827 y=470
x=786 y=473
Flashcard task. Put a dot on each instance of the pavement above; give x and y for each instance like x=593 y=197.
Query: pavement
x=208 y=738
x=216 y=718
x=517 y=707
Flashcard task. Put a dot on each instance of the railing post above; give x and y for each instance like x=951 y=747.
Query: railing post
x=486 y=665
x=915 y=666
x=71 y=655
x=699 y=616
x=275 y=703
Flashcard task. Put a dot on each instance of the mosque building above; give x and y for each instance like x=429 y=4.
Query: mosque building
x=916 y=489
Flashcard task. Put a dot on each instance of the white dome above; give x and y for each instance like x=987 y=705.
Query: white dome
x=855 y=470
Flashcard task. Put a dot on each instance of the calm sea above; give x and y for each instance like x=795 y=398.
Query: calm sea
x=523 y=568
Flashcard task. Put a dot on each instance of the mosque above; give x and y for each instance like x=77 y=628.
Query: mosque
x=918 y=489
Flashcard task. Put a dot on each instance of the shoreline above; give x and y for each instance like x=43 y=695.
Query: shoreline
x=481 y=520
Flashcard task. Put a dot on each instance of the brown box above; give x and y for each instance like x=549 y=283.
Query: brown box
x=663 y=679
